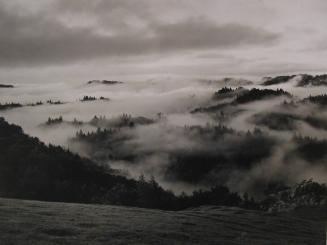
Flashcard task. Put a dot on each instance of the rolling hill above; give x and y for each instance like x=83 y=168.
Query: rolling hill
x=34 y=222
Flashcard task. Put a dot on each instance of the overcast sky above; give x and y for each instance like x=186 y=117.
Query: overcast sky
x=83 y=39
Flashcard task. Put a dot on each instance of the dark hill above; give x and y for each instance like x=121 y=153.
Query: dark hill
x=277 y=80
x=29 y=169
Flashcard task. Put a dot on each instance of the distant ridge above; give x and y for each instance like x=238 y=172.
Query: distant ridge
x=227 y=81
x=106 y=82
x=304 y=80
x=6 y=86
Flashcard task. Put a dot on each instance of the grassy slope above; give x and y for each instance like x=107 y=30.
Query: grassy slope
x=33 y=223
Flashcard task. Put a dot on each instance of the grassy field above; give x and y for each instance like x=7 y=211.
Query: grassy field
x=33 y=223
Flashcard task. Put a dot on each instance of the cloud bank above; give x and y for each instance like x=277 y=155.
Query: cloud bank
x=188 y=38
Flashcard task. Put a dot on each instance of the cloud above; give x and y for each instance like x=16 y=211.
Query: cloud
x=38 y=39
x=110 y=38
x=202 y=34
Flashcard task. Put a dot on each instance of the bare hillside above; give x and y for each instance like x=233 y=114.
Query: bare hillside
x=32 y=222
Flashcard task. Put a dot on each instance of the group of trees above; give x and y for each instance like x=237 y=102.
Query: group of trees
x=221 y=149
x=93 y=98
x=224 y=90
x=123 y=120
x=35 y=104
x=277 y=80
x=95 y=136
x=240 y=96
x=310 y=149
x=319 y=99
x=306 y=79
x=54 y=102
x=51 y=121
x=58 y=120
x=88 y=98
x=304 y=194
x=77 y=122
x=149 y=194
x=227 y=92
x=12 y=105
x=9 y=106
x=276 y=120
x=209 y=131
x=259 y=94
x=287 y=119
x=318 y=80
x=104 y=144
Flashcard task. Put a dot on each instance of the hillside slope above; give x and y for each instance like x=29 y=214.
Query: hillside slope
x=33 y=222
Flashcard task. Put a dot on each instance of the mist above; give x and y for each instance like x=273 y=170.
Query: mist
x=164 y=118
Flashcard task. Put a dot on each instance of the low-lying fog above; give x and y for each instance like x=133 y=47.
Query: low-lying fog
x=162 y=145
x=174 y=99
